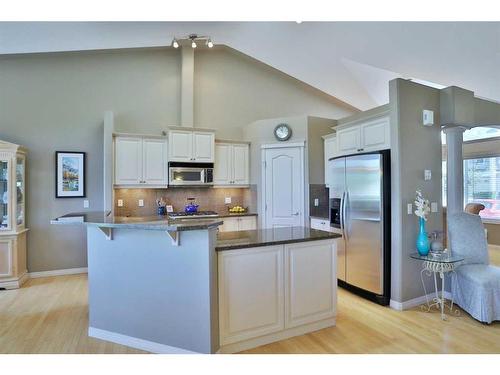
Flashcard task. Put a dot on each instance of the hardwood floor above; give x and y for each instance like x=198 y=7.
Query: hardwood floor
x=49 y=315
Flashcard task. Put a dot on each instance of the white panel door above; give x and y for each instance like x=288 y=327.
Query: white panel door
x=203 y=147
x=128 y=160
x=154 y=159
x=6 y=268
x=223 y=164
x=284 y=187
x=180 y=145
x=310 y=282
x=330 y=145
x=375 y=135
x=251 y=300
x=241 y=164
x=349 y=140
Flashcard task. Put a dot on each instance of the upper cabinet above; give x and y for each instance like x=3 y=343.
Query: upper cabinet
x=371 y=135
x=141 y=161
x=330 y=143
x=191 y=146
x=232 y=164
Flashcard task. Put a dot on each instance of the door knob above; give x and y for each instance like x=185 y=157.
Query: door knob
x=296 y=214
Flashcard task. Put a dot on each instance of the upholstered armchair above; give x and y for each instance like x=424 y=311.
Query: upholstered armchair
x=476 y=287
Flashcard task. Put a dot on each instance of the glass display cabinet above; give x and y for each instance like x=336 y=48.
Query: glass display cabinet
x=12 y=215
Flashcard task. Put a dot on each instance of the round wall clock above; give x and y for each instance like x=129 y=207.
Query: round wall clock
x=282 y=132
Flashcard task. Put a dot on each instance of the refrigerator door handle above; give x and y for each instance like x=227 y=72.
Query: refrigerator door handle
x=342 y=215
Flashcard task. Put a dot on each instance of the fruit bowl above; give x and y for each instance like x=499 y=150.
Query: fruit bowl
x=237 y=210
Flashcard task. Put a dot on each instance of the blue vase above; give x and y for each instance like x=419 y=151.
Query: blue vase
x=423 y=244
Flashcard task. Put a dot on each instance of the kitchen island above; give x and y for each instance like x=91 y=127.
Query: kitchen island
x=153 y=283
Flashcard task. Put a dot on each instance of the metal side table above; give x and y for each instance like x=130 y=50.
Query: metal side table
x=441 y=264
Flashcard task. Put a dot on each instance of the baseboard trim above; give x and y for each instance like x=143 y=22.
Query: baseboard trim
x=136 y=343
x=405 y=305
x=277 y=336
x=67 y=271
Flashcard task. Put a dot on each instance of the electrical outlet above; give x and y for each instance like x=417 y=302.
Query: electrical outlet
x=316 y=202
x=409 y=208
x=434 y=207
x=120 y=202
x=86 y=203
x=141 y=202
x=227 y=200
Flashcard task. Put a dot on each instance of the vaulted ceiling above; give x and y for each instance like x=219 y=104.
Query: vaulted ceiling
x=352 y=61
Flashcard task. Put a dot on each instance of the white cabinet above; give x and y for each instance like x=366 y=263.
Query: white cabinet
x=321 y=224
x=232 y=224
x=310 y=282
x=251 y=293
x=267 y=293
x=232 y=164
x=13 y=230
x=191 y=146
x=140 y=161
x=330 y=151
x=371 y=135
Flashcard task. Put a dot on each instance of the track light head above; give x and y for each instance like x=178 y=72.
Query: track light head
x=175 y=43
x=209 y=43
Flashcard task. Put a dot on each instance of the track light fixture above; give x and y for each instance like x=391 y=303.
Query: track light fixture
x=192 y=39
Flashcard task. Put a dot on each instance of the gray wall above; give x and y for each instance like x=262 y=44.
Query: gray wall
x=56 y=101
x=414 y=148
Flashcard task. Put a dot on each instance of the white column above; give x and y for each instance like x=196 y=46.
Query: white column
x=454 y=169
x=187 y=86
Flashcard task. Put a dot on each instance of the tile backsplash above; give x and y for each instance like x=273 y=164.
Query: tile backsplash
x=207 y=198
x=320 y=192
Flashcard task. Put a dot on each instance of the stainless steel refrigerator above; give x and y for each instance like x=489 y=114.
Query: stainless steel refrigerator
x=360 y=212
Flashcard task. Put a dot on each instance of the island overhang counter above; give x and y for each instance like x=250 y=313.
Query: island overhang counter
x=159 y=285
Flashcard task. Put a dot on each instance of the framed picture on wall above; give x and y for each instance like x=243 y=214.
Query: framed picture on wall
x=70 y=174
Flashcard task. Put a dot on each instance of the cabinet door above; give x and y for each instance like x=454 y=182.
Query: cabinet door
x=128 y=160
x=247 y=223
x=240 y=164
x=230 y=224
x=251 y=298
x=154 y=161
x=203 y=147
x=349 y=140
x=6 y=266
x=310 y=282
x=5 y=193
x=180 y=145
x=222 y=164
x=375 y=135
x=330 y=152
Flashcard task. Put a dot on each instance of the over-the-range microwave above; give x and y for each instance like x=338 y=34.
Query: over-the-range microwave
x=190 y=174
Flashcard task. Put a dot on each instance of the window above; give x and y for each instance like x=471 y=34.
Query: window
x=482 y=185
x=475 y=134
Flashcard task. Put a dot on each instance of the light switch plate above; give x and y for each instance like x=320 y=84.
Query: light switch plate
x=427 y=117
x=316 y=202
x=427 y=175
x=227 y=200
x=409 y=208
x=141 y=202
x=434 y=207
x=86 y=203
x=120 y=202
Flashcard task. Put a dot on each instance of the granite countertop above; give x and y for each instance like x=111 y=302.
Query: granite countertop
x=101 y=219
x=268 y=237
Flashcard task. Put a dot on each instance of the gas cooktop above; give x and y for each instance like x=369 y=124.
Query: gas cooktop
x=184 y=215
